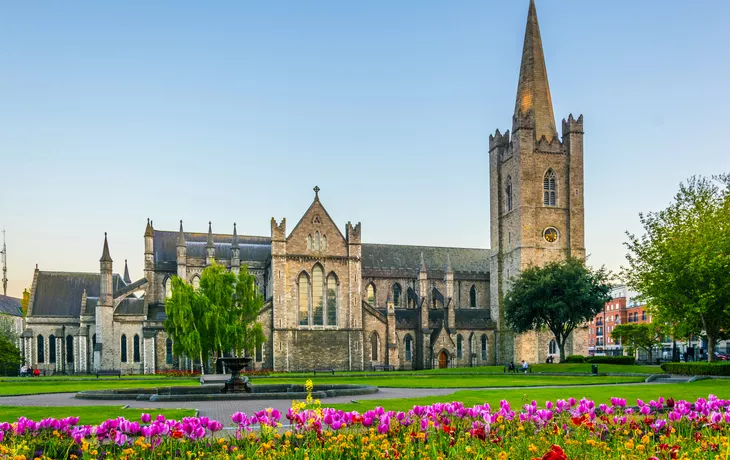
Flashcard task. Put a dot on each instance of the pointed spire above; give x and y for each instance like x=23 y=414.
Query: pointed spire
x=234 y=241
x=105 y=257
x=210 y=235
x=533 y=90
x=148 y=229
x=448 y=264
x=181 y=236
x=423 y=263
x=127 y=279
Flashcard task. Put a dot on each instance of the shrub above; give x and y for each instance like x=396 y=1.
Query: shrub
x=178 y=373
x=697 y=368
x=629 y=360
x=575 y=359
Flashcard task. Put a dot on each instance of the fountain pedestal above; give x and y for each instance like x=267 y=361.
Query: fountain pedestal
x=236 y=384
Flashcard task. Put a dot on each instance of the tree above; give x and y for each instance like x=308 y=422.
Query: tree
x=680 y=265
x=9 y=357
x=560 y=296
x=220 y=317
x=644 y=336
x=25 y=301
x=7 y=328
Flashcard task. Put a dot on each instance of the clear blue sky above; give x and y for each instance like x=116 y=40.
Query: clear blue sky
x=112 y=112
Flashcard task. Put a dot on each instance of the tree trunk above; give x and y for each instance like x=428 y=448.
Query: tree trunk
x=711 y=339
x=202 y=365
x=648 y=350
x=561 y=347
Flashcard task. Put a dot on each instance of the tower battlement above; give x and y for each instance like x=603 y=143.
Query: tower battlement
x=352 y=233
x=278 y=231
x=572 y=126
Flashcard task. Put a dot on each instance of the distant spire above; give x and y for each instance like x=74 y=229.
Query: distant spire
x=448 y=264
x=533 y=90
x=423 y=263
x=105 y=257
x=234 y=241
x=210 y=235
x=148 y=229
x=181 y=236
x=127 y=279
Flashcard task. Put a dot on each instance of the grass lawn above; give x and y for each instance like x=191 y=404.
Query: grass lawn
x=27 y=385
x=538 y=368
x=88 y=415
x=687 y=391
x=409 y=380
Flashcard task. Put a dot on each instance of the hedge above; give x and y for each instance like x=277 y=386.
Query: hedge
x=697 y=368
x=575 y=359
x=629 y=360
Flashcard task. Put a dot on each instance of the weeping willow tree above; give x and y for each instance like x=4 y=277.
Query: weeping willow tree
x=221 y=316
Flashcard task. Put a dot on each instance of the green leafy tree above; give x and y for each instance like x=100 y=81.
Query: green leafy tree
x=645 y=336
x=559 y=296
x=219 y=317
x=9 y=357
x=25 y=301
x=7 y=328
x=680 y=265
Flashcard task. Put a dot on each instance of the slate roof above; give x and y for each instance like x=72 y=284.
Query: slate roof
x=254 y=250
x=130 y=306
x=10 y=306
x=477 y=318
x=391 y=260
x=406 y=319
x=59 y=293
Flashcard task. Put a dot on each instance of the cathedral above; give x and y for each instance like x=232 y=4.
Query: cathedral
x=333 y=301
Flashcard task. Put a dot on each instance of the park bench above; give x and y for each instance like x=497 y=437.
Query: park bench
x=327 y=370
x=383 y=367
x=109 y=372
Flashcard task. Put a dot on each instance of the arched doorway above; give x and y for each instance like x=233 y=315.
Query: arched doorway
x=443 y=360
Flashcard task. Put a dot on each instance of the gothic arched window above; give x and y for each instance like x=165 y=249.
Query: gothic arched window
x=51 y=348
x=135 y=345
x=331 y=316
x=473 y=297
x=374 y=343
x=124 y=348
x=549 y=188
x=93 y=346
x=260 y=353
x=484 y=347
x=324 y=242
x=196 y=282
x=409 y=347
x=168 y=287
x=41 y=349
x=317 y=294
x=317 y=240
x=309 y=242
x=303 y=300
x=69 y=349
x=553 y=347
x=371 y=294
x=459 y=347
x=508 y=193
x=168 y=351
x=396 y=294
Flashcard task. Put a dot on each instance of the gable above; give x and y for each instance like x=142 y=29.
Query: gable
x=316 y=220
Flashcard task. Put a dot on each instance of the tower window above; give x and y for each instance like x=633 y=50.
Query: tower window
x=508 y=192
x=473 y=297
x=332 y=300
x=396 y=294
x=371 y=294
x=303 y=299
x=549 y=188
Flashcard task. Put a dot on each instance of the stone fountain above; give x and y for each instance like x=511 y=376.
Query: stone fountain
x=236 y=384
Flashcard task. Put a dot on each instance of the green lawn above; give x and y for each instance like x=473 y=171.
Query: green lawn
x=26 y=385
x=687 y=391
x=409 y=380
x=88 y=415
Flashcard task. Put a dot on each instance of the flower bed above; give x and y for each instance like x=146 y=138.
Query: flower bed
x=561 y=430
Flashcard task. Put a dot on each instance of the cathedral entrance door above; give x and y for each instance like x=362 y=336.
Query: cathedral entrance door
x=443 y=360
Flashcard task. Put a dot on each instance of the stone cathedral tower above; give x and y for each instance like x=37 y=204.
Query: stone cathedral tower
x=536 y=190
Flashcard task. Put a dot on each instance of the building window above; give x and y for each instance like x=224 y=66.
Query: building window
x=371 y=294
x=324 y=242
x=168 y=351
x=438 y=299
x=196 y=282
x=303 y=300
x=309 y=242
x=316 y=241
x=93 y=346
x=52 y=349
x=136 y=348
x=41 y=349
x=553 y=347
x=643 y=315
x=69 y=349
x=411 y=294
x=508 y=192
x=260 y=353
x=317 y=295
x=168 y=287
x=374 y=343
x=124 y=348
x=459 y=347
x=409 y=352
x=473 y=297
x=396 y=294
x=549 y=188
x=332 y=297
x=484 y=347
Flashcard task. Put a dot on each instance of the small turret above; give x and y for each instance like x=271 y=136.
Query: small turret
x=105 y=257
x=149 y=253
x=127 y=279
x=182 y=254
x=423 y=293
x=235 y=252
x=210 y=247
x=449 y=279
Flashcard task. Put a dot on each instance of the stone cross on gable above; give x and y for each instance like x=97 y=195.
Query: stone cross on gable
x=316 y=192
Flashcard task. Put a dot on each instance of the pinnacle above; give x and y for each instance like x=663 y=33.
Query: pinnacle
x=127 y=279
x=234 y=241
x=533 y=89
x=423 y=263
x=105 y=257
x=148 y=229
x=210 y=235
x=448 y=264
x=181 y=236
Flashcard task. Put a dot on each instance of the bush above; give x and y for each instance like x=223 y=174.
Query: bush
x=697 y=368
x=628 y=360
x=575 y=359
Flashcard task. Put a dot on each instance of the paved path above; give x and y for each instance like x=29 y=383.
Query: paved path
x=222 y=410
